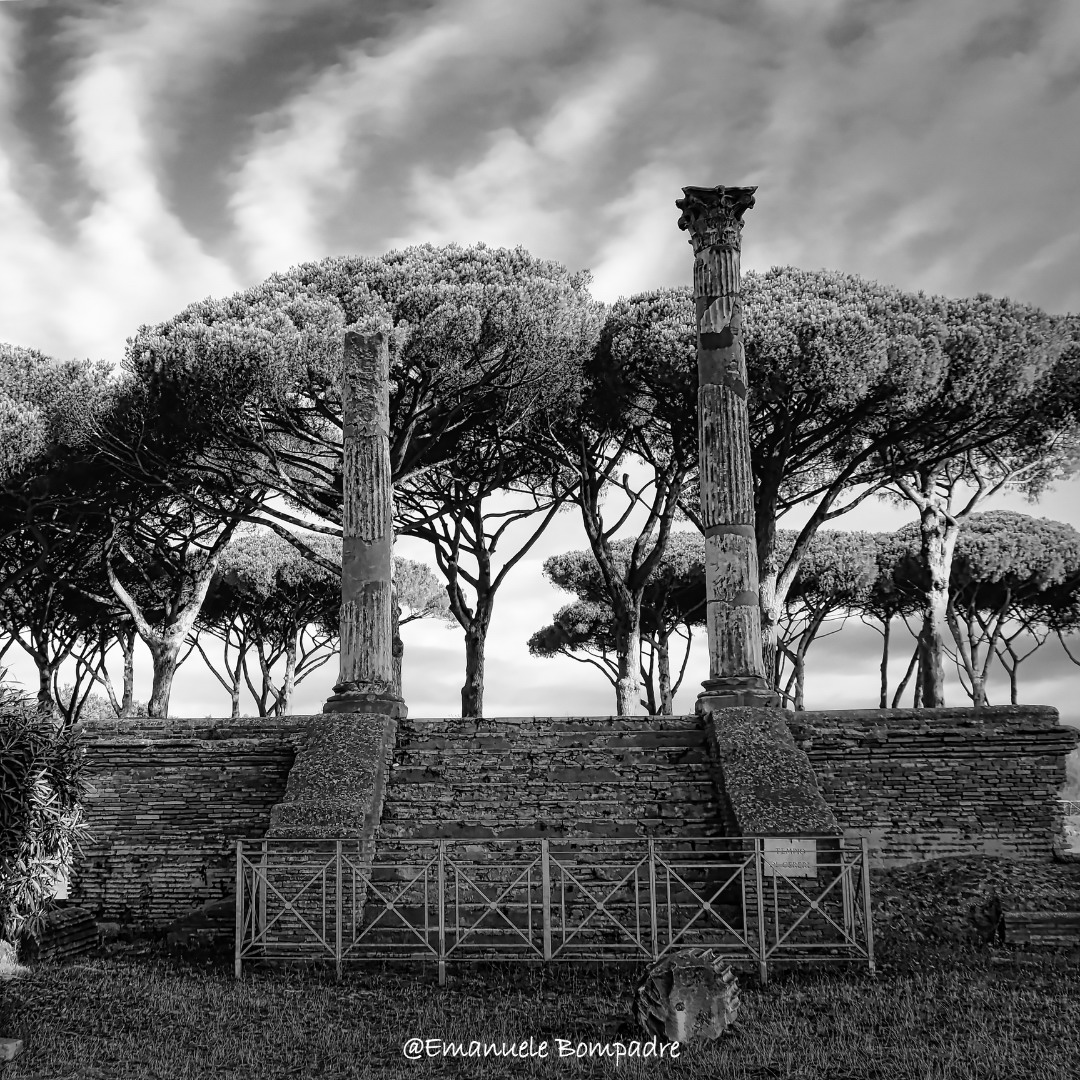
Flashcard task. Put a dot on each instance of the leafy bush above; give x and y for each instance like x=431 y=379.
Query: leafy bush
x=41 y=816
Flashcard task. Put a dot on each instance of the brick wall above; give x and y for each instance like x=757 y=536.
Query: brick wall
x=928 y=783
x=170 y=799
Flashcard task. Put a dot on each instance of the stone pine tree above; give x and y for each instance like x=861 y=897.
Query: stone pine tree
x=1006 y=416
x=480 y=338
x=852 y=382
x=474 y=343
x=831 y=358
x=36 y=616
x=271 y=608
x=639 y=393
x=48 y=509
x=274 y=614
x=419 y=594
x=479 y=515
x=1004 y=564
x=835 y=576
x=884 y=601
x=498 y=491
x=672 y=604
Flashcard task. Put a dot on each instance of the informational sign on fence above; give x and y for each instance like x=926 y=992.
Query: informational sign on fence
x=789 y=857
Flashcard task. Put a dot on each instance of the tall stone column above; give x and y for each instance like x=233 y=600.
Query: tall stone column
x=713 y=217
x=366 y=681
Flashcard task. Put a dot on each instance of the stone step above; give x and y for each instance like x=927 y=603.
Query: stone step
x=411 y=767
x=460 y=791
x=506 y=828
x=511 y=742
x=472 y=805
x=479 y=810
x=457 y=726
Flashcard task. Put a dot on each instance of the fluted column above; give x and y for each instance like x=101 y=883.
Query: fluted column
x=366 y=680
x=713 y=218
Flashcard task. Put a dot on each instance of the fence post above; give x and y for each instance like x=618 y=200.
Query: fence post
x=337 y=915
x=545 y=894
x=261 y=891
x=848 y=895
x=652 y=900
x=237 y=962
x=866 y=904
x=442 y=912
x=759 y=854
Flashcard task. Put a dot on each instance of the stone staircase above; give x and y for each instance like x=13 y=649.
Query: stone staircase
x=493 y=781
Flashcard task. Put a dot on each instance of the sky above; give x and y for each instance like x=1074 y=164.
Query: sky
x=153 y=153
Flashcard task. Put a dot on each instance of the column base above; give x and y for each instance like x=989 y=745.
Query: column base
x=736 y=690
x=366 y=701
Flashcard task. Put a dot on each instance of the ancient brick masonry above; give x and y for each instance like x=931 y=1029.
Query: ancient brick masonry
x=928 y=783
x=171 y=797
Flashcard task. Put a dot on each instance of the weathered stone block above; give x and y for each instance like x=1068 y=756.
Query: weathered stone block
x=10 y=1049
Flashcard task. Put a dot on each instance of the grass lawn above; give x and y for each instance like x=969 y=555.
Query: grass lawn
x=927 y=1014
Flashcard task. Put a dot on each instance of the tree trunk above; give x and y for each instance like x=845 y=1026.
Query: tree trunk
x=907 y=677
x=166 y=654
x=234 y=694
x=628 y=651
x=126 y=638
x=800 y=682
x=397 y=648
x=663 y=663
x=648 y=680
x=938 y=540
x=164 y=645
x=770 y=621
x=883 y=698
x=46 y=704
x=472 y=691
x=978 y=691
x=281 y=706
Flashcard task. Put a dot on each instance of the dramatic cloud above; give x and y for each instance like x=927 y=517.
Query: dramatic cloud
x=153 y=153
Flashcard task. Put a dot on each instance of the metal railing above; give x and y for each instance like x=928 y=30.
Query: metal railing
x=1072 y=807
x=553 y=899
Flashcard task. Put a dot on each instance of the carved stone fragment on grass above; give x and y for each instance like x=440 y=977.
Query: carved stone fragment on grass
x=690 y=995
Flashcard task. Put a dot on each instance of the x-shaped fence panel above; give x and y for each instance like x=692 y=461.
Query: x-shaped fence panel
x=553 y=899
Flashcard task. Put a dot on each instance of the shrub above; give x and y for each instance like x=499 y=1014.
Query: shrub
x=41 y=816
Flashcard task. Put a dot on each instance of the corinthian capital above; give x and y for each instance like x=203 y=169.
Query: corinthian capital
x=713 y=216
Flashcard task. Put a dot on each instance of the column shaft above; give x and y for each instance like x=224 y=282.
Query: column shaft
x=366 y=679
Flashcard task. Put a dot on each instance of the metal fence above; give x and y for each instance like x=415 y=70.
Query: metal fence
x=753 y=899
x=1072 y=807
